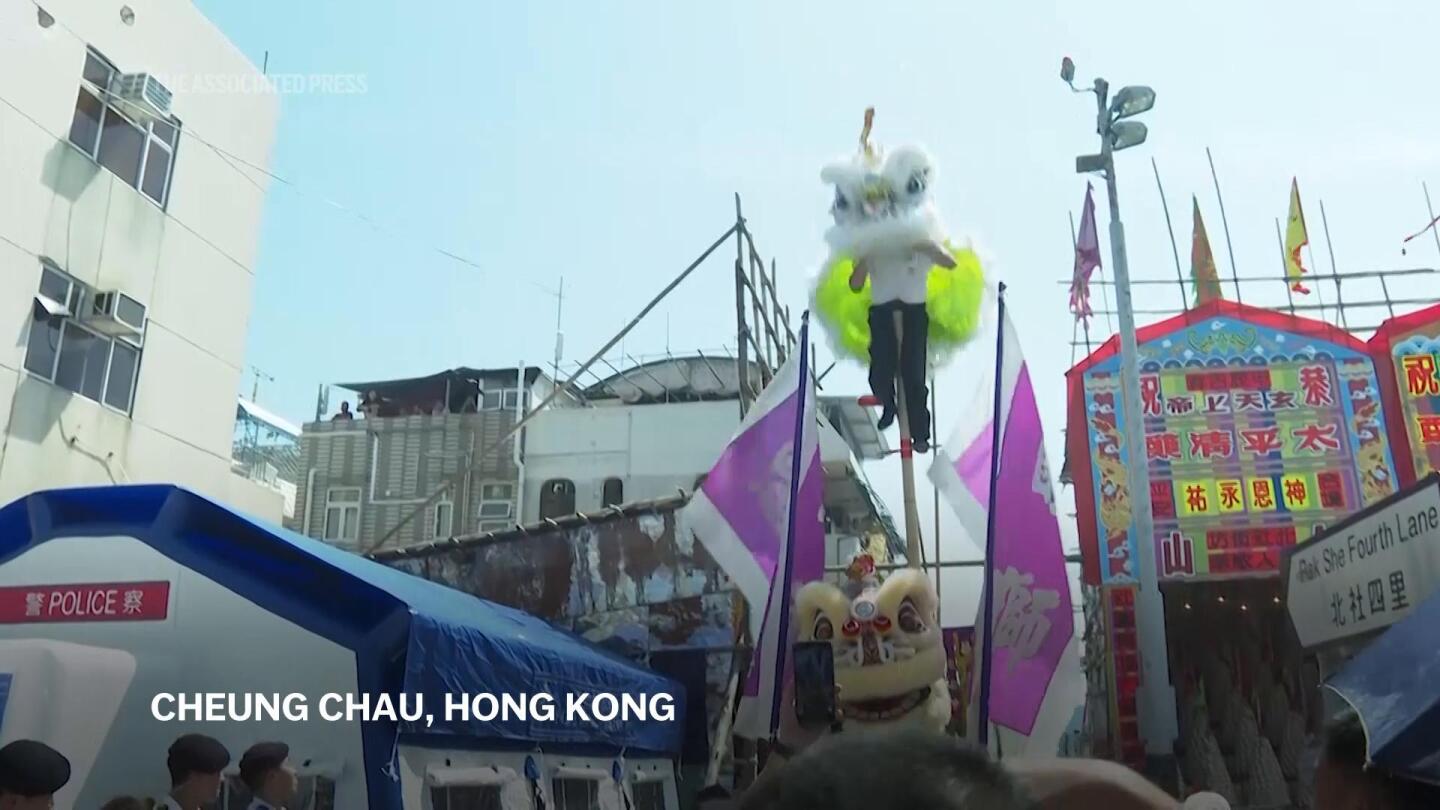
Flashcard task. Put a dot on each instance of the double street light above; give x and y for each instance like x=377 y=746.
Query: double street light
x=1117 y=131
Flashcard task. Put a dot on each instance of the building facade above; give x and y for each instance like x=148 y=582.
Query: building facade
x=432 y=458
x=653 y=430
x=128 y=237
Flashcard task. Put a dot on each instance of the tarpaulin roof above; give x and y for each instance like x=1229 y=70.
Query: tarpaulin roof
x=398 y=387
x=450 y=642
x=1394 y=685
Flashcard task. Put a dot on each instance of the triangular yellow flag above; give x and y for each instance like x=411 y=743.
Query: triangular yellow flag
x=1295 y=238
x=1202 y=263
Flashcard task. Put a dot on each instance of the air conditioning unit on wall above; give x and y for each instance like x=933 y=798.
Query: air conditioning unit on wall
x=145 y=95
x=116 y=314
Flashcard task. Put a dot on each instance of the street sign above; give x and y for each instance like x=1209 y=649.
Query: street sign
x=1368 y=572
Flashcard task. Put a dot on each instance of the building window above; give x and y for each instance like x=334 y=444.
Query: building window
x=496 y=505
x=501 y=399
x=342 y=514
x=139 y=151
x=444 y=519
x=557 y=498
x=612 y=493
x=465 y=797
x=649 y=795
x=63 y=350
x=576 y=794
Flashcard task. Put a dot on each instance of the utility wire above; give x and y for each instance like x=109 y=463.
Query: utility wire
x=455 y=479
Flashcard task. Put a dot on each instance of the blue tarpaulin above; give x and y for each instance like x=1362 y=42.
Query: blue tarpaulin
x=450 y=642
x=1394 y=685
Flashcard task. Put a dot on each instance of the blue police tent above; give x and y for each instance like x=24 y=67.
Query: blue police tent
x=408 y=636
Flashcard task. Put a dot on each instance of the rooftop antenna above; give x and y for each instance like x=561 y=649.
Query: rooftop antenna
x=265 y=65
x=255 y=388
x=559 y=335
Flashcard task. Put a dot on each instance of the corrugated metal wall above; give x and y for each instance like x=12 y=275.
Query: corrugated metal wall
x=414 y=456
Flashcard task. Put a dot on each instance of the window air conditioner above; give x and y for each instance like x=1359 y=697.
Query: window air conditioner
x=495 y=509
x=145 y=94
x=116 y=314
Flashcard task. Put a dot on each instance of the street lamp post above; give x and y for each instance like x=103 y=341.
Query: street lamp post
x=1157 y=695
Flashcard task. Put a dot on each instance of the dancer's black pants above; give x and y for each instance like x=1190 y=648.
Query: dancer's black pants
x=909 y=356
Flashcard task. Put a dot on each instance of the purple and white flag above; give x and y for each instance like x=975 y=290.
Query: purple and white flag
x=1031 y=616
x=759 y=515
x=1087 y=259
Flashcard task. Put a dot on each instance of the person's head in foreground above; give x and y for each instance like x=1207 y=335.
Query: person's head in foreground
x=127 y=803
x=265 y=771
x=1342 y=781
x=197 y=764
x=904 y=770
x=30 y=775
x=919 y=770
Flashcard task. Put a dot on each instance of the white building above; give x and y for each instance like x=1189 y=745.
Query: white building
x=656 y=428
x=128 y=231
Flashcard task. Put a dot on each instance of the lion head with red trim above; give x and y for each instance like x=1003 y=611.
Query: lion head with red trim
x=889 y=653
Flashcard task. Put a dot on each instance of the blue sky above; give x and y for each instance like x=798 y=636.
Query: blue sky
x=604 y=141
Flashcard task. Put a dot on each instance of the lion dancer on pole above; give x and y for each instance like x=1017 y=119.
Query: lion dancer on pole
x=889 y=256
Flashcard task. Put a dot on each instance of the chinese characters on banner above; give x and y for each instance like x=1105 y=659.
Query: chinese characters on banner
x=1254 y=444
x=1417 y=377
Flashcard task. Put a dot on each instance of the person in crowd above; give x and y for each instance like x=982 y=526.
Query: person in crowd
x=370 y=404
x=904 y=770
x=128 y=803
x=438 y=409
x=31 y=773
x=197 y=765
x=265 y=770
x=1344 y=781
x=923 y=770
x=715 y=797
x=344 y=415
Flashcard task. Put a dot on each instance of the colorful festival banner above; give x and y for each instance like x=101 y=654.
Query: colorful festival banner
x=1260 y=430
x=1028 y=589
x=1406 y=351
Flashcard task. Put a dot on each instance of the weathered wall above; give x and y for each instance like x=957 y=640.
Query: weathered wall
x=630 y=583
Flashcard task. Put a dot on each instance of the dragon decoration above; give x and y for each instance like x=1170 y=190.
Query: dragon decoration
x=890 y=663
x=882 y=202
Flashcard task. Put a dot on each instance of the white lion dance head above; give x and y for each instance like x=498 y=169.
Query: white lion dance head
x=882 y=203
x=889 y=650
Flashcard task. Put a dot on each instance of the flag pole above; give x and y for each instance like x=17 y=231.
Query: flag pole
x=1174 y=248
x=935 y=431
x=1334 y=271
x=1234 y=273
x=1435 y=232
x=987 y=623
x=797 y=458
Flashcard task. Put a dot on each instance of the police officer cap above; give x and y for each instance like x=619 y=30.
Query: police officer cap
x=262 y=758
x=32 y=769
x=197 y=753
